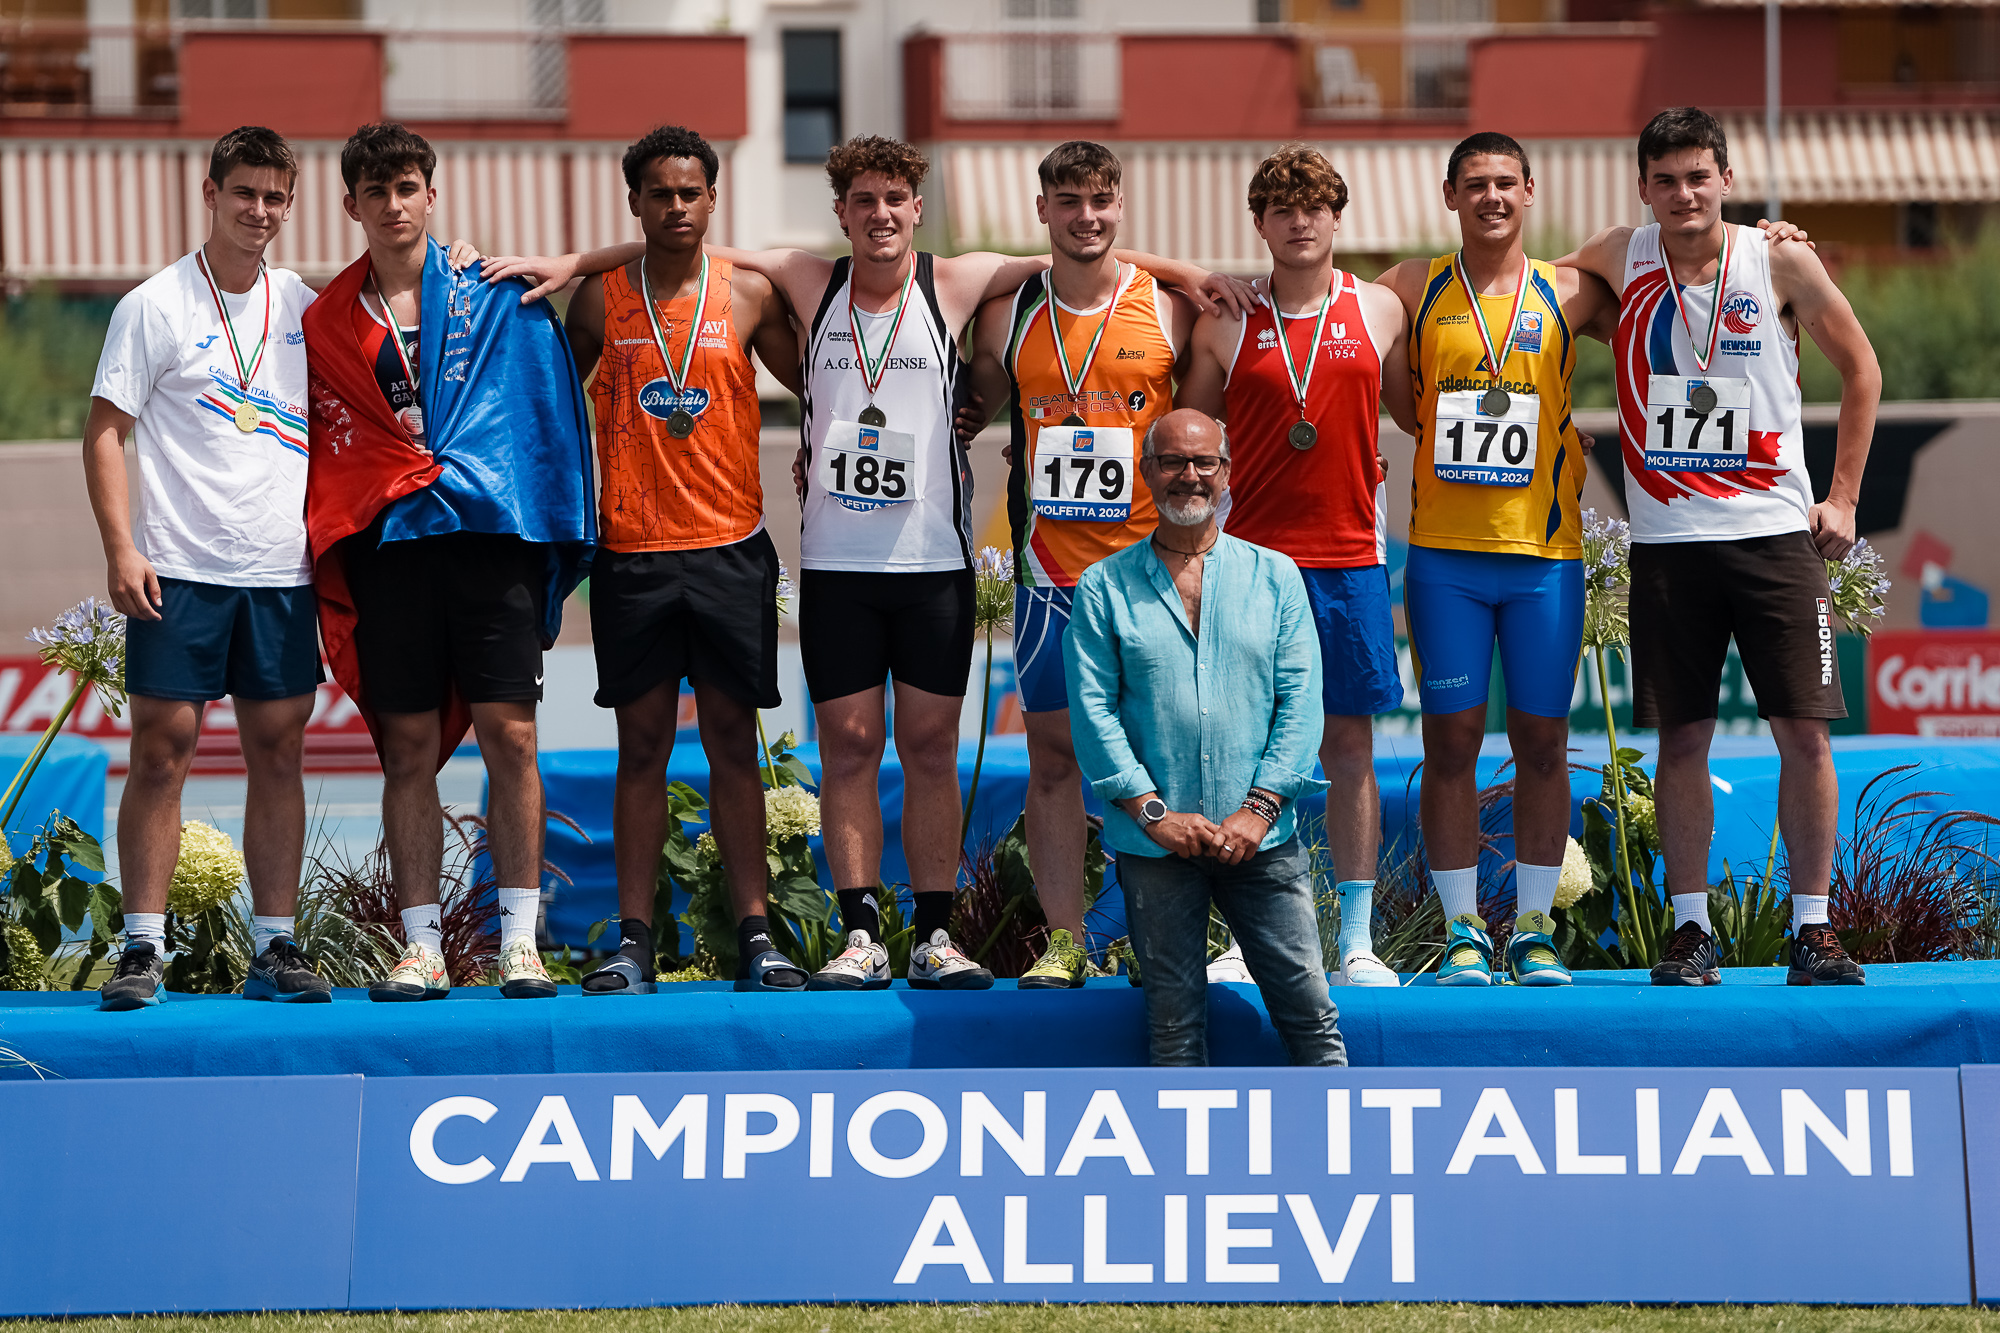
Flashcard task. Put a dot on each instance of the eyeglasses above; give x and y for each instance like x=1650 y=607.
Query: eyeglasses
x=1174 y=464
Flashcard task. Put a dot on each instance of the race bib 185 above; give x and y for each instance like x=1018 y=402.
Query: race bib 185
x=867 y=467
x=1084 y=472
x=1471 y=446
x=1697 y=425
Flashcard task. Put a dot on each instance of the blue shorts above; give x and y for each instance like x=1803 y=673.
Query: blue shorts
x=212 y=640
x=1457 y=602
x=1041 y=623
x=1357 y=639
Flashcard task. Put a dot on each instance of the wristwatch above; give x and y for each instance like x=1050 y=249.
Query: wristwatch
x=1152 y=812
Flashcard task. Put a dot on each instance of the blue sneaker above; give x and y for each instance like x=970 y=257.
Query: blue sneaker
x=136 y=983
x=1531 y=952
x=1468 y=953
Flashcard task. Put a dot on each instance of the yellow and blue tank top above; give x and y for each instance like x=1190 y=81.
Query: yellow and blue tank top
x=1446 y=356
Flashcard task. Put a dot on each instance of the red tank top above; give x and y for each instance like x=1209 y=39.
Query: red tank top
x=1320 y=506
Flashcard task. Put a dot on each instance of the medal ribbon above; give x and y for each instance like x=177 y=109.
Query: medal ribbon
x=395 y=332
x=1301 y=384
x=1497 y=360
x=679 y=382
x=243 y=376
x=1075 y=382
x=872 y=369
x=1714 y=306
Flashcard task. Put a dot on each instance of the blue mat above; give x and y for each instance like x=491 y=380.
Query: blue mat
x=70 y=779
x=1930 y=1014
x=580 y=782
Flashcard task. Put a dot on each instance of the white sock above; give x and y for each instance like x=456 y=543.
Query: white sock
x=1458 y=890
x=1692 y=907
x=1535 y=888
x=150 y=927
x=518 y=909
x=424 y=925
x=1808 y=909
x=264 y=929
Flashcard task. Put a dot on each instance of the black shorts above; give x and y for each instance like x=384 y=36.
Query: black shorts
x=1688 y=598
x=710 y=614
x=463 y=608
x=856 y=628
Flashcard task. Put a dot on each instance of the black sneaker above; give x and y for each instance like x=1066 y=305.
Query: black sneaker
x=1690 y=959
x=1818 y=959
x=283 y=973
x=137 y=982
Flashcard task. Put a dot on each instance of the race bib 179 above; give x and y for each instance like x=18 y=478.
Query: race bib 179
x=1084 y=472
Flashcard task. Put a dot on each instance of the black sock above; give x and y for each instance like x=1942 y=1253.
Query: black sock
x=857 y=912
x=753 y=936
x=933 y=914
x=635 y=941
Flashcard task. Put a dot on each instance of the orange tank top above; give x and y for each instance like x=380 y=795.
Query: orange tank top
x=1129 y=384
x=660 y=493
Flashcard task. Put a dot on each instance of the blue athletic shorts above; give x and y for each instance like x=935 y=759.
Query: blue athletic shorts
x=212 y=640
x=1357 y=639
x=1457 y=602
x=1041 y=622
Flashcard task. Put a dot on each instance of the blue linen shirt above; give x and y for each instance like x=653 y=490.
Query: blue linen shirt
x=1200 y=720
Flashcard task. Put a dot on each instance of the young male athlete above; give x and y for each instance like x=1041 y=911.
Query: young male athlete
x=1087 y=353
x=1726 y=537
x=448 y=510
x=1302 y=384
x=1495 y=543
x=205 y=369
x=685 y=581
x=886 y=587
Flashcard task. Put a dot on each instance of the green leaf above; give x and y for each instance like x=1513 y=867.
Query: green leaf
x=82 y=849
x=792 y=764
x=107 y=916
x=802 y=897
x=596 y=929
x=73 y=897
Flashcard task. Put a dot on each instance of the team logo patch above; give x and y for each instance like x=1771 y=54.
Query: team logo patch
x=295 y=337
x=1740 y=312
x=1528 y=331
x=1136 y=400
x=1267 y=338
x=869 y=438
x=1083 y=442
x=202 y=346
x=657 y=399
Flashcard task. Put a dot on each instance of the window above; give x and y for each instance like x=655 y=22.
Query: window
x=1270 y=11
x=812 y=95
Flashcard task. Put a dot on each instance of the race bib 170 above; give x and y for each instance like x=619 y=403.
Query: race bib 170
x=1471 y=445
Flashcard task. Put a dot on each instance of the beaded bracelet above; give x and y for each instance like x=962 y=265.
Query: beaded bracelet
x=1262 y=806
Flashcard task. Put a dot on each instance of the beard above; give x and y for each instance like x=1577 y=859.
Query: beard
x=1186 y=511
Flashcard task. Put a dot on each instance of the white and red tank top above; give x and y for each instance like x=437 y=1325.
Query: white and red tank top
x=1322 y=506
x=1771 y=493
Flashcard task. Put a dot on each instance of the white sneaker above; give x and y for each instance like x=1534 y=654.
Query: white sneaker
x=522 y=975
x=1363 y=968
x=938 y=965
x=862 y=965
x=1231 y=968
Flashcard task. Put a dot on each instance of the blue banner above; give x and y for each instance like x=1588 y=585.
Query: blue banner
x=1979 y=1085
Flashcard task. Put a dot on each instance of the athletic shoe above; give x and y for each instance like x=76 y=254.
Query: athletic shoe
x=1531 y=952
x=137 y=981
x=1690 y=959
x=862 y=965
x=1059 y=968
x=1818 y=959
x=1363 y=968
x=418 y=975
x=283 y=973
x=938 y=965
x=1468 y=953
x=1230 y=969
x=522 y=974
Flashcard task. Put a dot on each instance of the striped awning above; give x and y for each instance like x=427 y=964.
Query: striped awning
x=1187 y=200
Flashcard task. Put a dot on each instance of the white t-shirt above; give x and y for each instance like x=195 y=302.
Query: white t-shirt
x=216 y=504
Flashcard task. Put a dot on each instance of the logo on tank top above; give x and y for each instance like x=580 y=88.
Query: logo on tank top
x=658 y=399
x=1136 y=400
x=1267 y=339
x=1130 y=354
x=1740 y=312
x=1528 y=331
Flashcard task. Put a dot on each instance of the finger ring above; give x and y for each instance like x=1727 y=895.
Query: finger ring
x=1225 y=846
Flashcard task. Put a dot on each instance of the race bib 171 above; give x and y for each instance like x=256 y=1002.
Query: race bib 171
x=1697 y=425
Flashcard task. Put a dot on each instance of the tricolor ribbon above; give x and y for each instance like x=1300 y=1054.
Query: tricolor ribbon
x=677 y=381
x=1302 y=384
x=1495 y=359
x=243 y=375
x=1075 y=382
x=1701 y=359
x=873 y=368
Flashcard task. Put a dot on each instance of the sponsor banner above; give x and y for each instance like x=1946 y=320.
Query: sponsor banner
x=1943 y=683
x=1165 y=1185
x=1979 y=1085
x=178 y=1194
x=31 y=695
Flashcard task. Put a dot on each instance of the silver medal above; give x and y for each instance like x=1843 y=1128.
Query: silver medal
x=1702 y=399
x=1495 y=402
x=1303 y=435
x=680 y=425
x=872 y=415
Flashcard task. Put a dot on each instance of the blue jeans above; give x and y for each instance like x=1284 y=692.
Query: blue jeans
x=1268 y=903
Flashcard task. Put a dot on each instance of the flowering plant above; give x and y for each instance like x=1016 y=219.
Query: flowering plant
x=88 y=641
x=992 y=609
x=1607 y=578
x=1575 y=880
x=786 y=590
x=1860 y=582
x=208 y=873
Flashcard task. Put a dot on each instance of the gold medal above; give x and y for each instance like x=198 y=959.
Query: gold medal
x=246 y=417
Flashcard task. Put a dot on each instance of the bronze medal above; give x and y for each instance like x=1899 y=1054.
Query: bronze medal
x=246 y=417
x=679 y=424
x=1072 y=420
x=872 y=415
x=1303 y=435
x=1495 y=402
x=1702 y=399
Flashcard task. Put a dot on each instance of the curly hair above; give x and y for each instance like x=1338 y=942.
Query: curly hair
x=384 y=151
x=871 y=152
x=669 y=141
x=1296 y=176
x=251 y=146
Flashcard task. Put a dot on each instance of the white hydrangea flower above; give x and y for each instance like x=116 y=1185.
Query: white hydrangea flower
x=1575 y=880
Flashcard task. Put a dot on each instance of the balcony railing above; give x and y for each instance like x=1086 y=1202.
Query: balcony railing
x=475 y=75
x=75 y=69
x=1393 y=73
x=1031 y=76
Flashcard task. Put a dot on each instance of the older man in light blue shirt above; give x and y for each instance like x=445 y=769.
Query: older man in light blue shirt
x=1194 y=685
